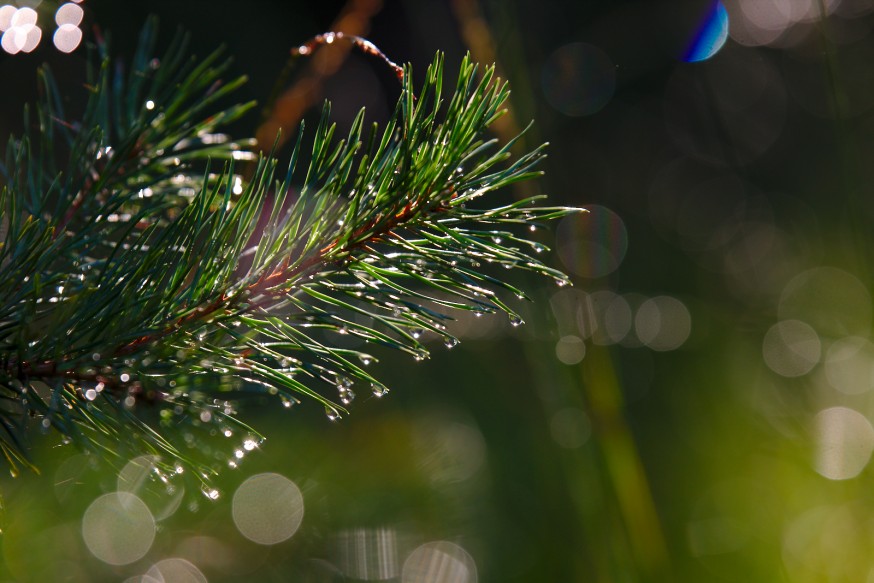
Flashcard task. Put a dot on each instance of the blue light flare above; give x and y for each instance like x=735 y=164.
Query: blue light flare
x=711 y=35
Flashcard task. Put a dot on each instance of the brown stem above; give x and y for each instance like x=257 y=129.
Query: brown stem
x=287 y=110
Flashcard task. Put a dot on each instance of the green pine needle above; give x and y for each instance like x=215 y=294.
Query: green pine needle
x=147 y=287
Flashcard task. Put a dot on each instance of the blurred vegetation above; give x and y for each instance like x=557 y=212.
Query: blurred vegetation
x=590 y=444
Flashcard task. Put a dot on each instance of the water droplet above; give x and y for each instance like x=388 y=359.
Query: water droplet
x=379 y=390
x=211 y=493
x=416 y=333
x=515 y=320
x=347 y=396
x=450 y=342
x=342 y=330
x=561 y=282
x=333 y=414
x=366 y=359
x=538 y=248
x=91 y=394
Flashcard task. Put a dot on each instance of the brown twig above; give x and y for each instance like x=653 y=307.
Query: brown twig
x=358 y=42
x=285 y=113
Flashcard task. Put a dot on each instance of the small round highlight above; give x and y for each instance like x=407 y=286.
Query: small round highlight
x=791 y=348
x=578 y=79
x=268 y=508
x=118 y=528
x=844 y=443
x=439 y=562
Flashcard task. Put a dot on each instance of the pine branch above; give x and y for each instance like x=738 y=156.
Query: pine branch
x=146 y=290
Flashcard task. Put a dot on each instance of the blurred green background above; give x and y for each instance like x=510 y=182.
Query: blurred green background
x=697 y=408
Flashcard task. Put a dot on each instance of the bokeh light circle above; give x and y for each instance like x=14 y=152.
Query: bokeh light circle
x=791 y=348
x=439 y=562
x=163 y=497
x=174 y=570
x=849 y=365
x=24 y=17
x=135 y=474
x=570 y=349
x=21 y=37
x=67 y=38
x=829 y=543
x=844 y=443
x=578 y=79
x=618 y=320
x=7 y=11
x=456 y=451
x=69 y=13
x=268 y=508
x=118 y=528
x=605 y=317
x=663 y=323
x=835 y=303
x=570 y=427
x=592 y=244
x=710 y=36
